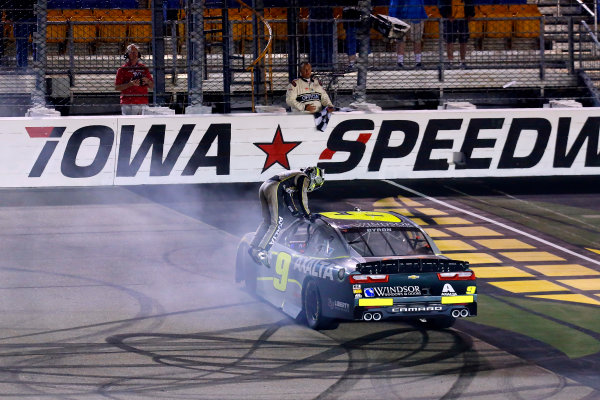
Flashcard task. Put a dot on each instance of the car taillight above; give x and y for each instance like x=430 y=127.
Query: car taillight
x=369 y=278
x=456 y=276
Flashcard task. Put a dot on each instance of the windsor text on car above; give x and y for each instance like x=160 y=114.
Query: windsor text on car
x=359 y=265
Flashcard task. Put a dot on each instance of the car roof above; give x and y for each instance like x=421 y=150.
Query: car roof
x=366 y=219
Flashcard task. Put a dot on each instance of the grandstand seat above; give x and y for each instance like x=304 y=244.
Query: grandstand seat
x=80 y=19
x=496 y=28
x=338 y=17
x=431 y=29
x=212 y=24
x=277 y=18
x=181 y=17
x=111 y=33
x=526 y=28
x=477 y=28
x=7 y=27
x=56 y=33
x=241 y=23
x=139 y=22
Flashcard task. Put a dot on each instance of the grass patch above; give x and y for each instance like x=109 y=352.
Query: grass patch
x=569 y=340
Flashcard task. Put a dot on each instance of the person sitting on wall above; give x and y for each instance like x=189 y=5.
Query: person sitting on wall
x=306 y=94
x=133 y=81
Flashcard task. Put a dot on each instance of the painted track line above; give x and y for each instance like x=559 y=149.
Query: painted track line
x=520 y=232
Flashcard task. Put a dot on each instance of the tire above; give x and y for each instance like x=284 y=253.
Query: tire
x=437 y=323
x=312 y=307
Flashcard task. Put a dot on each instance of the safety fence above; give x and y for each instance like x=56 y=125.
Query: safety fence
x=513 y=56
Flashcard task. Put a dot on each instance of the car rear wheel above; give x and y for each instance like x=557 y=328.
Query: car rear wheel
x=313 y=307
x=439 y=322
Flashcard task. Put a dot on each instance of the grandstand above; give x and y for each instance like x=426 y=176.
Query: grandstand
x=519 y=55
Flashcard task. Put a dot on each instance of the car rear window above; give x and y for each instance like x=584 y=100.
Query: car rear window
x=385 y=242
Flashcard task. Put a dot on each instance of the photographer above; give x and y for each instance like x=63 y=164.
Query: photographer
x=133 y=81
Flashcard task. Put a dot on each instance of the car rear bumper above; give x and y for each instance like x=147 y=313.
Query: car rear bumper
x=385 y=308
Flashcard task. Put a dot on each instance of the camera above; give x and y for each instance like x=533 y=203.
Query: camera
x=137 y=76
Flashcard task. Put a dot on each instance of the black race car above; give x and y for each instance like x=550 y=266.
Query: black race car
x=359 y=265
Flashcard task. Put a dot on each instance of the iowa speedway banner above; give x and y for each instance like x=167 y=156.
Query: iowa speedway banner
x=118 y=150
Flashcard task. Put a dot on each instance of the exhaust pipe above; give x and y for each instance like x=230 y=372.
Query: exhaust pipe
x=464 y=312
x=376 y=316
x=456 y=313
x=367 y=316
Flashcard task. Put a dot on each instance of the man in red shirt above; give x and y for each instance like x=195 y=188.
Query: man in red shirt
x=133 y=81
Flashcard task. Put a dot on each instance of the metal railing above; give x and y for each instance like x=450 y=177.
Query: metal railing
x=510 y=60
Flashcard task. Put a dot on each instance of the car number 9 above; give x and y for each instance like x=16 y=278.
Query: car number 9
x=282 y=267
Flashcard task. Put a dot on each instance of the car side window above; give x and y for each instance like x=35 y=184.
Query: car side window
x=297 y=236
x=324 y=243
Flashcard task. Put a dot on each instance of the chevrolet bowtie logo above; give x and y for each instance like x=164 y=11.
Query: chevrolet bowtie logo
x=413 y=277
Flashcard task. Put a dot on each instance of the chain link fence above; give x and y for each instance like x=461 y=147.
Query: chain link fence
x=66 y=57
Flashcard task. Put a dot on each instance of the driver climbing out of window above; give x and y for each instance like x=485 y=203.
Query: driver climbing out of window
x=283 y=197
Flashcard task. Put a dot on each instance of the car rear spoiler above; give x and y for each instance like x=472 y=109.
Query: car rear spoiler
x=412 y=265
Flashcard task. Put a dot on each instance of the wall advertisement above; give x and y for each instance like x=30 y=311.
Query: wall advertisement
x=118 y=150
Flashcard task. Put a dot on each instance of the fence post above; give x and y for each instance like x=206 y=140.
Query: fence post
x=158 y=53
x=195 y=49
x=542 y=50
x=360 y=92
x=292 y=41
x=258 y=41
x=38 y=97
x=441 y=50
x=571 y=47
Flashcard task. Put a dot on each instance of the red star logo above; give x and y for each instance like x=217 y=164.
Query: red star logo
x=277 y=150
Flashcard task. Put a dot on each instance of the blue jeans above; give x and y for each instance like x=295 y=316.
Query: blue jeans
x=23 y=29
x=352 y=41
x=320 y=36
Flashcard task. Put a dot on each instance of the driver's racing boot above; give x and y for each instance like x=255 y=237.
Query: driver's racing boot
x=259 y=256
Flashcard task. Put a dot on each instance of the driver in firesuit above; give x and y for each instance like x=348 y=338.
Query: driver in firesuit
x=306 y=93
x=281 y=197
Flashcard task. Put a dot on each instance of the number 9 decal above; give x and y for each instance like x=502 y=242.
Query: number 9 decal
x=282 y=267
x=471 y=289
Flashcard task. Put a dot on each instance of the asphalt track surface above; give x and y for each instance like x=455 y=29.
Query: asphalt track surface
x=129 y=293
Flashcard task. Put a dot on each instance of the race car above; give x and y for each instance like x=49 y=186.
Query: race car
x=359 y=265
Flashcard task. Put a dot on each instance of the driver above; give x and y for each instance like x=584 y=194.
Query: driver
x=282 y=196
x=306 y=94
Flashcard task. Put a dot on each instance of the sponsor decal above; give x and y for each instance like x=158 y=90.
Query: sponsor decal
x=413 y=277
x=128 y=162
x=448 y=290
x=277 y=231
x=313 y=267
x=356 y=286
x=277 y=150
x=387 y=291
x=308 y=97
x=409 y=309
x=457 y=299
x=337 y=305
x=363 y=215
x=358 y=296
x=369 y=292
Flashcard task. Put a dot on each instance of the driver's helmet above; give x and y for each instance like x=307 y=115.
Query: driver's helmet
x=316 y=179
